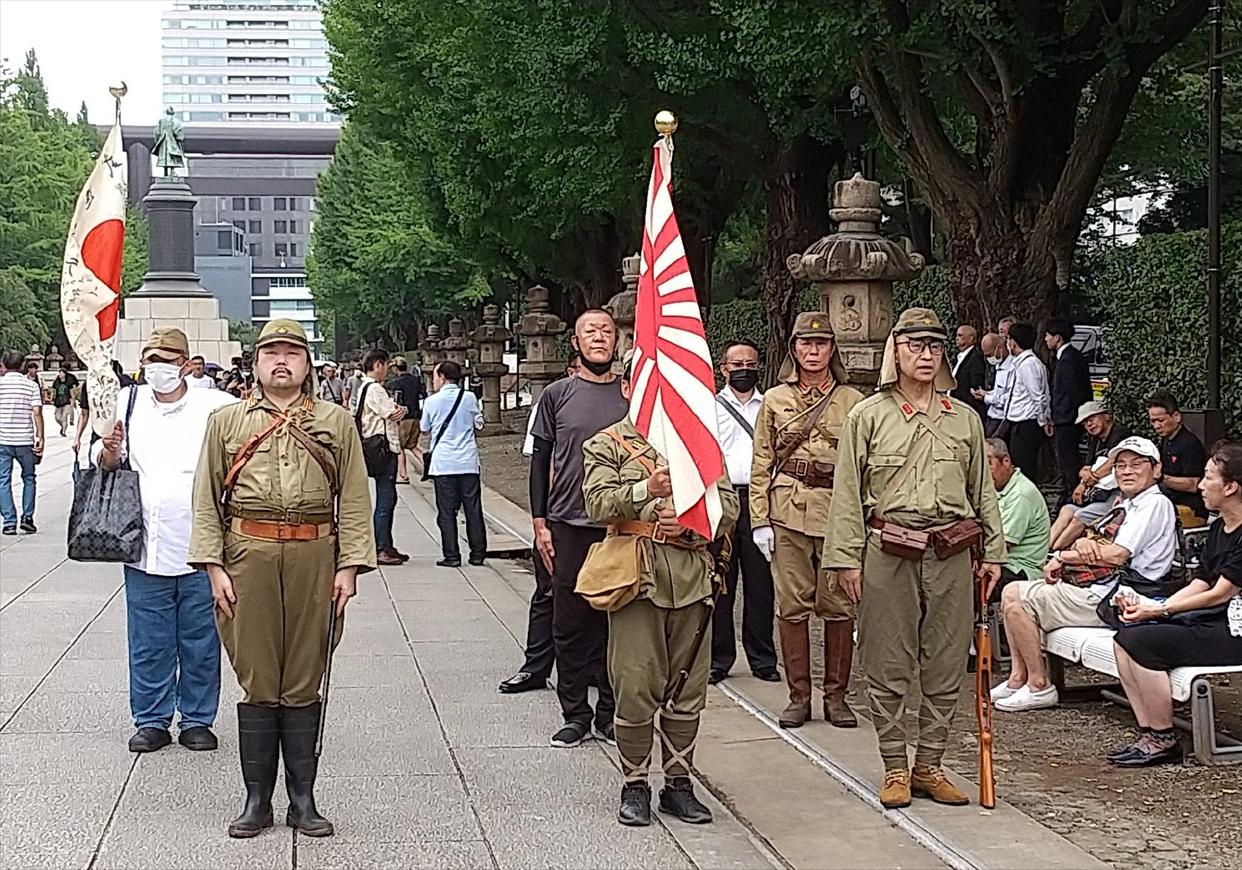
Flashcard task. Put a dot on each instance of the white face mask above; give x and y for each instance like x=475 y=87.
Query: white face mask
x=163 y=377
x=992 y=361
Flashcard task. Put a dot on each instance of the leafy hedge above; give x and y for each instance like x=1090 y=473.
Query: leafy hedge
x=1152 y=298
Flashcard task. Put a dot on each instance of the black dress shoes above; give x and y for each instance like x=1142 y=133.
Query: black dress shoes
x=198 y=739
x=768 y=675
x=475 y=561
x=149 y=740
x=522 y=682
x=1140 y=757
x=635 y=805
x=449 y=563
x=715 y=675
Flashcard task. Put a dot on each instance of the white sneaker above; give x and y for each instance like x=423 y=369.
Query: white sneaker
x=1025 y=699
x=1004 y=690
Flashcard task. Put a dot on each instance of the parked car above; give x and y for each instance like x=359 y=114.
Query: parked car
x=1090 y=340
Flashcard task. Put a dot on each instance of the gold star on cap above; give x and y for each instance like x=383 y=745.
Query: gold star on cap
x=814 y=324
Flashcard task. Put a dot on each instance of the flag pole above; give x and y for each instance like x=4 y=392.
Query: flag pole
x=666 y=126
x=118 y=90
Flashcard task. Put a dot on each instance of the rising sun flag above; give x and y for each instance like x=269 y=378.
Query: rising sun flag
x=673 y=404
x=90 y=283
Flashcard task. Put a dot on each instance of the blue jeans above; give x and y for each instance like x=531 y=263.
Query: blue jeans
x=174 y=650
x=385 y=504
x=24 y=454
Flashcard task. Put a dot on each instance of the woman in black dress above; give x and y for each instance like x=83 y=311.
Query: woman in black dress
x=1200 y=624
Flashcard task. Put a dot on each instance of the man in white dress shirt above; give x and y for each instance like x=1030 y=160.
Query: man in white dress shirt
x=174 y=650
x=1028 y=410
x=737 y=410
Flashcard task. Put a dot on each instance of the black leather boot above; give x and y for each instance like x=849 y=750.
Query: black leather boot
x=299 y=726
x=677 y=799
x=258 y=739
x=635 y=805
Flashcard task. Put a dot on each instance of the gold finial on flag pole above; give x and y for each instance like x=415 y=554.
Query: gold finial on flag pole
x=118 y=90
x=666 y=123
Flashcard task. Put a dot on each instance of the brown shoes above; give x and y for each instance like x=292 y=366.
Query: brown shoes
x=796 y=652
x=896 y=791
x=838 y=659
x=931 y=782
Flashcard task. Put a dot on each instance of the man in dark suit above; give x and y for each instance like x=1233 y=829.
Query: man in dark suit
x=1071 y=386
x=970 y=368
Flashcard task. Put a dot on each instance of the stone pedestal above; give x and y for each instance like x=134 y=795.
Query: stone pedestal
x=54 y=359
x=490 y=339
x=455 y=344
x=854 y=269
x=622 y=306
x=539 y=327
x=171 y=294
x=35 y=356
x=431 y=353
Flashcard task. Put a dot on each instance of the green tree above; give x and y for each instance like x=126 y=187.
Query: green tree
x=243 y=331
x=376 y=260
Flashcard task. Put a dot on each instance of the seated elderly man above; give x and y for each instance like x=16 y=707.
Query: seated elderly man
x=1024 y=517
x=1143 y=545
x=1096 y=492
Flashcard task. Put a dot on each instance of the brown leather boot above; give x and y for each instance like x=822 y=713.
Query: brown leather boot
x=838 y=659
x=896 y=790
x=931 y=782
x=796 y=653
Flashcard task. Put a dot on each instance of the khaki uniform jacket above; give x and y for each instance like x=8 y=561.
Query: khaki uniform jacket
x=787 y=501
x=951 y=484
x=282 y=476
x=615 y=489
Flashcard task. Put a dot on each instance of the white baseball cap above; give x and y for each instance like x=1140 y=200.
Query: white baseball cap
x=1134 y=444
x=1089 y=409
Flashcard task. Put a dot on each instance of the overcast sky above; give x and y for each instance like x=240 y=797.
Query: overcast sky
x=83 y=46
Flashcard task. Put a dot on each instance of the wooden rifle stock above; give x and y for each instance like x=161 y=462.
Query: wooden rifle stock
x=983 y=687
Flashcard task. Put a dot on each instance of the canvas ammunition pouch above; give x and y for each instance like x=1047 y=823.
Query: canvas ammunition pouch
x=609 y=578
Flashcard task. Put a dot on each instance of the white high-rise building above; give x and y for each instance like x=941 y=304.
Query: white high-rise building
x=246 y=61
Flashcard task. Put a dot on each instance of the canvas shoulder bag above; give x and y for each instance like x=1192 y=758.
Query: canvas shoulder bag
x=375 y=450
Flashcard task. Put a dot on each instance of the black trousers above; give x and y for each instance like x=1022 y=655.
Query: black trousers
x=746 y=564
x=454 y=492
x=1025 y=439
x=1065 y=440
x=579 y=631
x=540 y=652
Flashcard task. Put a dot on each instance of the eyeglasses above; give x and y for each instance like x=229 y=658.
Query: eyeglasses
x=920 y=345
x=745 y=365
x=1138 y=465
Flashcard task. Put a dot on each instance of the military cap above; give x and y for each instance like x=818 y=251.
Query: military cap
x=283 y=330
x=812 y=324
x=166 y=343
x=920 y=323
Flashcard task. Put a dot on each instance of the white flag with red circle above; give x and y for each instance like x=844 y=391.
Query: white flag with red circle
x=673 y=399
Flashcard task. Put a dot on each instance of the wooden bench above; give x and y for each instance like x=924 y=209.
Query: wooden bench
x=1093 y=649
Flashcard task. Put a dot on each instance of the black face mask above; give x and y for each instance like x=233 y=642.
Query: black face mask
x=597 y=368
x=743 y=380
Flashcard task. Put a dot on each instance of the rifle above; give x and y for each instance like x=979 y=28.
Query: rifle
x=327 y=680
x=720 y=563
x=983 y=685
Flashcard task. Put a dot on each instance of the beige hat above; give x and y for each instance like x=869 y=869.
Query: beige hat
x=916 y=323
x=1089 y=409
x=812 y=324
x=166 y=343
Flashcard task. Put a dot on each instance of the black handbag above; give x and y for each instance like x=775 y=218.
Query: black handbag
x=440 y=434
x=375 y=452
x=105 y=522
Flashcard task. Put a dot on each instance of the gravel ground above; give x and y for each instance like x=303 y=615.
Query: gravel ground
x=1049 y=763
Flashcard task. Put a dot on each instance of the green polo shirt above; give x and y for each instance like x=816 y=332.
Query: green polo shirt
x=1024 y=518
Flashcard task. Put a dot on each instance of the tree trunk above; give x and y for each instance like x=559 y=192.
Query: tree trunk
x=795 y=195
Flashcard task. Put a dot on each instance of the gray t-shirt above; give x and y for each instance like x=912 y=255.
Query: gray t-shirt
x=572 y=410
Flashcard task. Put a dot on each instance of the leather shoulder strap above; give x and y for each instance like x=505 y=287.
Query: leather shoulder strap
x=634 y=452
x=313 y=448
x=808 y=425
x=246 y=453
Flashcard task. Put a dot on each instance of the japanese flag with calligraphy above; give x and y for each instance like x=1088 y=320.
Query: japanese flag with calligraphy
x=673 y=399
x=90 y=283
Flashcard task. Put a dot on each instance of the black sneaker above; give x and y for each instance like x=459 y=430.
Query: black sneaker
x=449 y=563
x=149 y=740
x=570 y=735
x=198 y=739
x=677 y=799
x=768 y=675
x=28 y=525
x=716 y=675
x=10 y=530
x=635 y=805
x=606 y=731
x=475 y=562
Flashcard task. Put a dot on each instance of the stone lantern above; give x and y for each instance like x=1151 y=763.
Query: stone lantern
x=539 y=327
x=35 y=356
x=490 y=339
x=622 y=306
x=854 y=269
x=455 y=344
x=54 y=359
x=431 y=353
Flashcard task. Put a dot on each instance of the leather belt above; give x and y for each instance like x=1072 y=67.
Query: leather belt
x=290 y=517
x=270 y=530
x=652 y=530
x=811 y=473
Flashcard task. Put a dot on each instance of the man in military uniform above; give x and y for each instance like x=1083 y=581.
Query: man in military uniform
x=913 y=497
x=791 y=484
x=282 y=524
x=666 y=628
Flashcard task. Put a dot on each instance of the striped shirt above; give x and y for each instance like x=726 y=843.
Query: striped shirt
x=18 y=395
